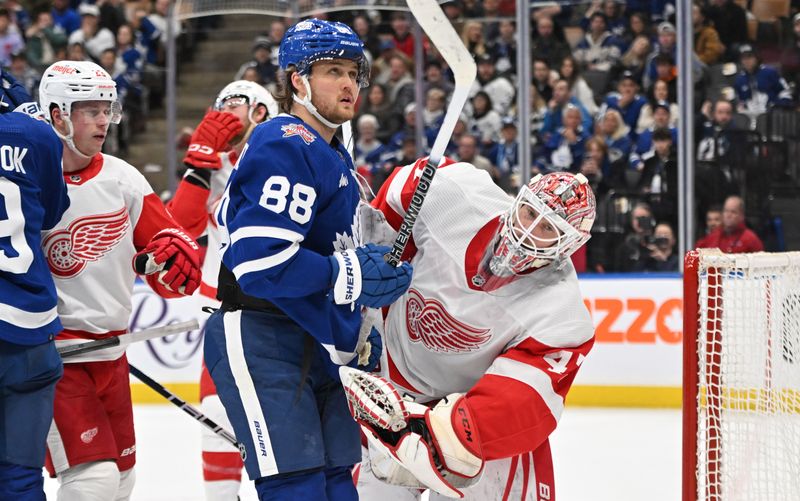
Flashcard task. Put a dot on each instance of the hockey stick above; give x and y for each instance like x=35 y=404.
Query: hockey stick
x=186 y=407
x=131 y=337
x=444 y=37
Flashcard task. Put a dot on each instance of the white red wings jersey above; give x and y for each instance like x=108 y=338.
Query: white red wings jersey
x=113 y=213
x=522 y=343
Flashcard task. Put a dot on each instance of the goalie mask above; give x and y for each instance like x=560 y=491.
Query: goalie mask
x=550 y=219
x=67 y=82
x=314 y=40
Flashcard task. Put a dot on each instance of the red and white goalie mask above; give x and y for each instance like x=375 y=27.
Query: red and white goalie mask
x=550 y=219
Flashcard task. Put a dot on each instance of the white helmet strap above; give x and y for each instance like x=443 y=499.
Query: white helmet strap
x=69 y=138
x=306 y=102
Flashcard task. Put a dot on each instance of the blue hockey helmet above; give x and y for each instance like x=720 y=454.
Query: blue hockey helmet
x=314 y=40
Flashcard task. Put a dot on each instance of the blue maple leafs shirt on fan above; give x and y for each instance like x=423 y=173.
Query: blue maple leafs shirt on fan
x=294 y=275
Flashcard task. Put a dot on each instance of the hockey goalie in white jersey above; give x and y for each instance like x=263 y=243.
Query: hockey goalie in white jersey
x=487 y=340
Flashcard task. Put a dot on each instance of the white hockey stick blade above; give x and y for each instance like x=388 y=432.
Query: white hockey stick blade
x=444 y=37
x=126 y=339
x=373 y=399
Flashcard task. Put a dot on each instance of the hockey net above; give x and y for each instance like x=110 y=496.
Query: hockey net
x=741 y=407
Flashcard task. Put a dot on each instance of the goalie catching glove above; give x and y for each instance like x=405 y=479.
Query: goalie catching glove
x=212 y=136
x=170 y=263
x=363 y=276
x=438 y=446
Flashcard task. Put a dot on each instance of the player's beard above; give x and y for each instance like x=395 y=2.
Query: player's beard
x=336 y=113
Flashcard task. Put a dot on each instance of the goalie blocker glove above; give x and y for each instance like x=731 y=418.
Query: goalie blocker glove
x=212 y=136
x=170 y=263
x=363 y=276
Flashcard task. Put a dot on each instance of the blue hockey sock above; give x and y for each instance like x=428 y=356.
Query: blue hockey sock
x=309 y=484
x=339 y=484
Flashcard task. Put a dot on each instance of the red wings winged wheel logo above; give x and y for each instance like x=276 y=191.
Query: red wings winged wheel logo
x=431 y=324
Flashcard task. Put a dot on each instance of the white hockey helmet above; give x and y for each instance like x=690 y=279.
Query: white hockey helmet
x=256 y=94
x=550 y=219
x=66 y=82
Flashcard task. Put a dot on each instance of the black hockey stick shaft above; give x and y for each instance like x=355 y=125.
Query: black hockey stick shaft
x=441 y=33
x=185 y=406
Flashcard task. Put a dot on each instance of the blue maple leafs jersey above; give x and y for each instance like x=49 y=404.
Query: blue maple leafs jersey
x=33 y=197
x=290 y=203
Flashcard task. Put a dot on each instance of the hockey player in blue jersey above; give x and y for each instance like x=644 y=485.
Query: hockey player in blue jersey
x=33 y=197
x=294 y=277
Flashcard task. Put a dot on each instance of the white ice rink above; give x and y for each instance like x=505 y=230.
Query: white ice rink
x=600 y=455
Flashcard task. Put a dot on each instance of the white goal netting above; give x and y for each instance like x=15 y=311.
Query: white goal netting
x=747 y=356
x=283 y=8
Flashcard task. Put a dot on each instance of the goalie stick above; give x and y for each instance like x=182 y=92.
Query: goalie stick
x=186 y=407
x=131 y=337
x=444 y=37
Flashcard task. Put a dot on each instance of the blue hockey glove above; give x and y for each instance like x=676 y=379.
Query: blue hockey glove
x=362 y=276
x=12 y=94
x=369 y=354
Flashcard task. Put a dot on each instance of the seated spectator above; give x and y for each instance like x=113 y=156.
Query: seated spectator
x=667 y=44
x=44 y=40
x=598 y=49
x=615 y=134
x=497 y=86
x=364 y=29
x=486 y=122
x=399 y=82
x=112 y=15
x=564 y=150
x=569 y=71
x=542 y=77
x=536 y=114
x=595 y=162
x=627 y=101
x=504 y=156
x=77 y=52
x=635 y=58
x=661 y=254
x=401 y=35
x=503 y=48
x=94 y=38
x=468 y=152
x=631 y=253
x=435 y=79
x=409 y=130
x=65 y=17
x=638 y=26
x=261 y=62
x=433 y=113
x=377 y=104
x=613 y=10
x=658 y=95
x=555 y=111
x=707 y=45
x=25 y=75
x=368 y=150
x=546 y=45
x=159 y=18
x=713 y=221
x=472 y=37
x=666 y=72
x=659 y=178
x=10 y=39
x=714 y=140
x=644 y=143
x=759 y=87
x=733 y=236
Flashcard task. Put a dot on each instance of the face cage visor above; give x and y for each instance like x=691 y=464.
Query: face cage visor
x=362 y=78
x=113 y=113
x=532 y=236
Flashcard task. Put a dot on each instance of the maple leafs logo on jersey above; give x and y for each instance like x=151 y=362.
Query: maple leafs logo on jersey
x=290 y=130
x=428 y=322
x=85 y=239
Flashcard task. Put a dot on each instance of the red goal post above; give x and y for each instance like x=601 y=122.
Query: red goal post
x=741 y=376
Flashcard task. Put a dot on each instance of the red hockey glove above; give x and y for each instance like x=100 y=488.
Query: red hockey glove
x=211 y=137
x=170 y=263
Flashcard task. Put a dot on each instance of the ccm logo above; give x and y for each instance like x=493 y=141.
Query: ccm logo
x=631 y=320
x=201 y=148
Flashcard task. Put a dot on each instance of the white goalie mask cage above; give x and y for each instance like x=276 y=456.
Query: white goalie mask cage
x=551 y=217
